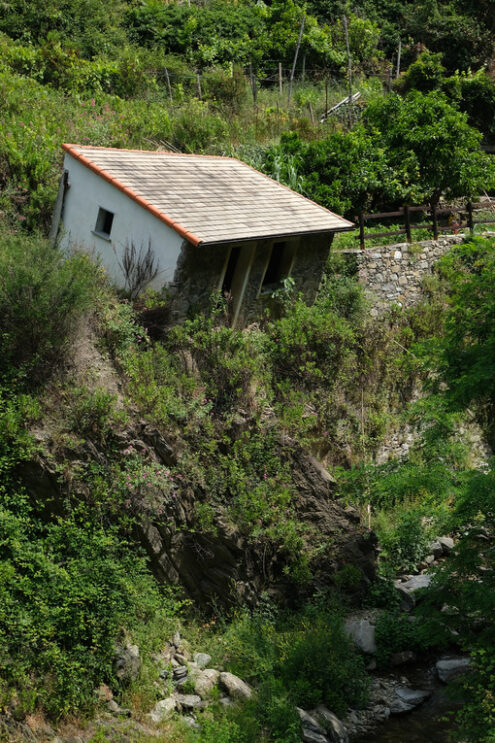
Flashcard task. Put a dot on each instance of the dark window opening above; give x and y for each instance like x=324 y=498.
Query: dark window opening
x=230 y=270
x=275 y=269
x=104 y=222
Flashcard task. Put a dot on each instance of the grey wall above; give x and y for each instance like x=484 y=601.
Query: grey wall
x=394 y=273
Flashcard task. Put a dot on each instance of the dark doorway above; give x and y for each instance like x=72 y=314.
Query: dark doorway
x=275 y=270
x=230 y=271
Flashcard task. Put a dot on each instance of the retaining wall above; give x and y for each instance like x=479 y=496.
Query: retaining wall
x=394 y=273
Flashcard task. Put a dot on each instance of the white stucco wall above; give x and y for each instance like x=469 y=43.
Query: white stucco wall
x=131 y=223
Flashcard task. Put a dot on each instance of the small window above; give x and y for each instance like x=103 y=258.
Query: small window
x=104 y=222
x=275 y=270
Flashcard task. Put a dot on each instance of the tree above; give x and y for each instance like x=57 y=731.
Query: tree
x=467 y=361
x=430 y=145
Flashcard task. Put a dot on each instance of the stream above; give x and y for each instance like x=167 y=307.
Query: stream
x=422 y=725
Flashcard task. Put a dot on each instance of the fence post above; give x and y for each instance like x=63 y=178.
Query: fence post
x=361 y=230
x=169 y=87
x=407 y=219
x=291 y=79
x=469 y=206
x=252 y=78
x=435 y=221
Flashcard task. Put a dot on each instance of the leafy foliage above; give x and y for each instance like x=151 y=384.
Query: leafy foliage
x=467 y=361
x=41 y=297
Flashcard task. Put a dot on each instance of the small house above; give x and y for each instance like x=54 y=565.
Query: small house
x=192 y=224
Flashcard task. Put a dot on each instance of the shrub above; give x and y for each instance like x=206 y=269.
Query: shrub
x=309 y=343
x=64 y=597
x=41 y=297
x=229 y=361
x=90 y=412
x=319 y=665
x=304 y=658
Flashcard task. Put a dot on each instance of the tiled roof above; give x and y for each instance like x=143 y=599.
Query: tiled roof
x=208 y=199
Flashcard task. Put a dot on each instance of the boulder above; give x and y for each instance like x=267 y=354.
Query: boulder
x=179 y=673
x=449 y=669
x=127 y=663
x=104 y=693
x=234 y=686
x=309 y=722
x=447 y=544
x=415 y=583
x=436 y=549
x=407 y=699
x=202 y=659
x=191 y=722
x=408 y=589
x=407 y=600
x=362 y=632
x=187 y=701
x=182 y=657
x=335 y=729
x=162 y=709
x=206 y=682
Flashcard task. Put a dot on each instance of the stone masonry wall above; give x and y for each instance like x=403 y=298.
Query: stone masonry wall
x=199 y=272
x=393 y=274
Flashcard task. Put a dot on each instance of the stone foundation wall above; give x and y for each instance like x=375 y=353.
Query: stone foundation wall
x=199 y=273
x=196 y=277
x=393 y=274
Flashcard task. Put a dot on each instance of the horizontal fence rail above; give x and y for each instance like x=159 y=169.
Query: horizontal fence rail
x=433 y=212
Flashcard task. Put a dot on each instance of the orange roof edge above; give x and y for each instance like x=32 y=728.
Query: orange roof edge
x=71 y=150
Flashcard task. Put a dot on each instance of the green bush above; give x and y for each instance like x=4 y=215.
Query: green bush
x=308 y=344
x=319 y=664
x=90 y=411
x=302 y=658
x=229 y=361
x=64 y=598
x=41 y=296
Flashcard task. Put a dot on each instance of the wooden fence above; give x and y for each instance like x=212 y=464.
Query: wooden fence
x=435 y=215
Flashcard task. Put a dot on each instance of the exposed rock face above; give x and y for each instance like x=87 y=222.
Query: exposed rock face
x=127 y=662
x=226 y=565
x=335 y=729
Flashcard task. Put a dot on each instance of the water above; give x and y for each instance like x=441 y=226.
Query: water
x=425 y=723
